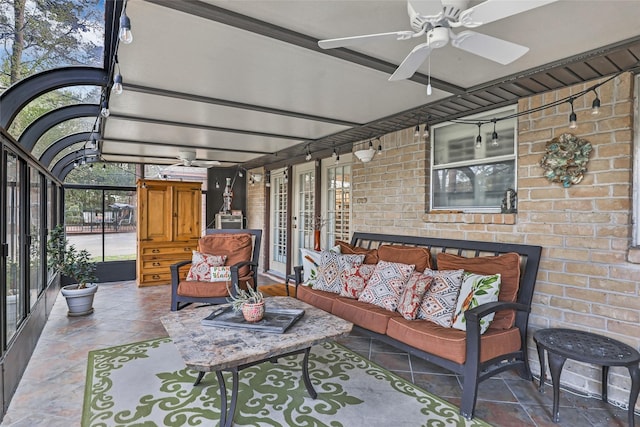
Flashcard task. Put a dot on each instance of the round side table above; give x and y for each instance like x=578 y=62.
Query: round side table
x=563 y=344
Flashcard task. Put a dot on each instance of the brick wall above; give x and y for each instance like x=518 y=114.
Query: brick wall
x=256 y=205
x=585 y=280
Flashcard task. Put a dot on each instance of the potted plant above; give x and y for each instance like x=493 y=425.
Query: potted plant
x=78 y=267
x=249 y=302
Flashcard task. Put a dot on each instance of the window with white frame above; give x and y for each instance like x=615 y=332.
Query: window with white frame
x=338 y=206
x=470 y=176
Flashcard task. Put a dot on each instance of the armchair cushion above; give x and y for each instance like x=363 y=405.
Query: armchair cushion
x=236 y=247
x=201 y=266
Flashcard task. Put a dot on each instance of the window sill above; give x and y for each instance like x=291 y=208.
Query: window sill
x=472 y=218
x=633 y=256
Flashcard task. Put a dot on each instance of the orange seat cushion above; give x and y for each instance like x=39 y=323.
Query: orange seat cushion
x=236 y=247
x=321 y=299
x=450 y=343
x=363 y=314
x=196 y=289
x=507 y=265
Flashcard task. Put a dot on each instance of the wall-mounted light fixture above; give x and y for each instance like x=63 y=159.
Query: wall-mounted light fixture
x=365 y=156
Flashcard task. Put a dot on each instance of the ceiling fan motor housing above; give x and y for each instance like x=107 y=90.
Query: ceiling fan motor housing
x=452 y=9
x=438 y=37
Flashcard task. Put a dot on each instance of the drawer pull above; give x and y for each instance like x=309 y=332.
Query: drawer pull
x=156 y=264
x=156 y=276
x=156 y=251
x=187 y=249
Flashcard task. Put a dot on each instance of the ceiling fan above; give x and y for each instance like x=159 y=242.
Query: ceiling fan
x=188 y=159
x=438 y=31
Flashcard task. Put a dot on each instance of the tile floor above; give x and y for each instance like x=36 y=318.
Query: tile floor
x=52 y=388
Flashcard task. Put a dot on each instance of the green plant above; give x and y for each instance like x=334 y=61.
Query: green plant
x=241 y=297
x=69 y=261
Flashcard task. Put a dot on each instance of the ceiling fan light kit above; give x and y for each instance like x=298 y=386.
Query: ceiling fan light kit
x=438 y=31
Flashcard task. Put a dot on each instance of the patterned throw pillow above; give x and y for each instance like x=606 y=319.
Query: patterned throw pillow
x=201 y=264
x=439 y=302
x=311 y=263
x=386 y=284
x=331 y=267
x=413 y=294
x=476 y=290
x=355 y=279
x=220 y=274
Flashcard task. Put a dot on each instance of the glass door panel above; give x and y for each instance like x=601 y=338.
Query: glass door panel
x=278 y=261
x=36 y=272
x=304 y=202
x=338 y=203
x=14 y=267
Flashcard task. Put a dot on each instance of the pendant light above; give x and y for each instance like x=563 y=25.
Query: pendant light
x=479 y=137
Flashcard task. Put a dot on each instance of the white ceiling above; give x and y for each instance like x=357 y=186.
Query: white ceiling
x=243 y=82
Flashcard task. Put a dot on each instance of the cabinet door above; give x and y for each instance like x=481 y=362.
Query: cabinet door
x=187 y=205
x=154 y=213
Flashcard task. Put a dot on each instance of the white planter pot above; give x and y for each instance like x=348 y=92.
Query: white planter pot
x=79 y=301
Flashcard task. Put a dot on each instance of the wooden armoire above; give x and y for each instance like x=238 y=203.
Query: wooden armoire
x=169 y=216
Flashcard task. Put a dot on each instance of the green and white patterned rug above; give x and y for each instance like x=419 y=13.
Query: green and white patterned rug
x=146 y=384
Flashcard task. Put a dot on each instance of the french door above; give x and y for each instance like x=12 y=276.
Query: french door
x=278 y=226
x=304 y=205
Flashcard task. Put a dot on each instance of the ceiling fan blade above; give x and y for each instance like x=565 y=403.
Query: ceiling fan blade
x=412 y=62
x=356 y=40
x=205 y=163
x=498 y=50
x=493 y=10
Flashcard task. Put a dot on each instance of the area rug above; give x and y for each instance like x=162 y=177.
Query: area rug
x=146 y=384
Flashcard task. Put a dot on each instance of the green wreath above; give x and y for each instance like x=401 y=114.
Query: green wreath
x=565 y=160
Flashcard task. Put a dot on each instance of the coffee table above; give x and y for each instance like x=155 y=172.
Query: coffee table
x=217 y=349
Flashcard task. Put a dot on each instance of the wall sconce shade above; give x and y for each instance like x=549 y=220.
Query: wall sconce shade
x=365 y=156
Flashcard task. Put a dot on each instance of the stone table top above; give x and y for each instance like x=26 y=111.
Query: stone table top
x=212 y=348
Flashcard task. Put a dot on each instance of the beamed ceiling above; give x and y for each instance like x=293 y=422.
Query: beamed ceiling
x=245 y=83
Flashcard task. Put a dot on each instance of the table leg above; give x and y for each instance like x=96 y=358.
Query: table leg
x=223 y=398
x=634 y=372
x=305 y=374
x=543 y=368
x=556 y=362
x=226 y=415
x=200 y=376
x=605 y=382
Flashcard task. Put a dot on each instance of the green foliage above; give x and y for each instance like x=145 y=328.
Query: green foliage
x=41 y=35
x=112 y=174
x=67 y=260
x=240 y=297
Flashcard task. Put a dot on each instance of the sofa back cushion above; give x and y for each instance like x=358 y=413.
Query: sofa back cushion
x=507 y=265
x=236 y=247
x=370 y=255
x=420 y=257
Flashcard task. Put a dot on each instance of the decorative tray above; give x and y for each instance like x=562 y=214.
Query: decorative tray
x=275 y=320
